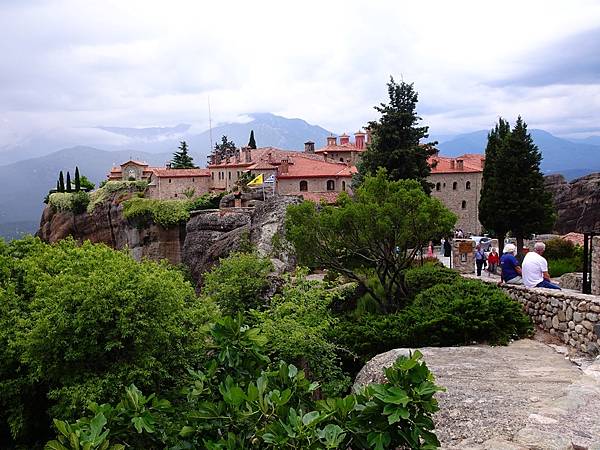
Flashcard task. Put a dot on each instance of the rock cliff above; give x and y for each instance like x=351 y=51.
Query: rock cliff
x=206 y=237
x=577 y=202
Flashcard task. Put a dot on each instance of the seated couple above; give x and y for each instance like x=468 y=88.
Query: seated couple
x=535 y=267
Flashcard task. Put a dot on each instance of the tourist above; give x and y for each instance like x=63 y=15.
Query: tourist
x=430 y=250
x=535 y=268
x=442 y=246
x=460 y=234
x=510 y=269
x=493 y=259
x=447 y=248
x=479 y=259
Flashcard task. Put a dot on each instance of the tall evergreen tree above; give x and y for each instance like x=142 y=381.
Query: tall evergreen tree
x=520 y=204
x=69 y=189
x=57 y=186
x=181 y=159
x=395 y=139
x=252 y=142
x=77 y=180
x=61 y=182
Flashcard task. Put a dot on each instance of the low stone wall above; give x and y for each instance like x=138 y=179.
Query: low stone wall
x=596 y=265
x=572 y=317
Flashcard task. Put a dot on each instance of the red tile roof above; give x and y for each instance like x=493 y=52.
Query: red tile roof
x=472 y=163
x=162 y=172
x=139 y=163
x=303 y=167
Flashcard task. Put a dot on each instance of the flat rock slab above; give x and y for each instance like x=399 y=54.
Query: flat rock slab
x=518 y=397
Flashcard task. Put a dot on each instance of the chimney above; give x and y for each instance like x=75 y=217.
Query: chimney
x=309 y=147
x=483 y=163
x=452 y=164
x=344 y=139
x=237 y=155
x=284 y=165
x=331 y=141
x=270 y=157
x=325 y=154
x=359 y=140
x=247 y=154
x=459 y=164
x=227 y=160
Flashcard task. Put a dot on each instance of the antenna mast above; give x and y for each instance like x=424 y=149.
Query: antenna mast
x=210 y=125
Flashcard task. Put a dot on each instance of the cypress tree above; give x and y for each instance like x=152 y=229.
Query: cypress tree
x=252 y=142
x=68 y=182
x=77 y=180
x=181 y=159
x=57 y=186
x=61 y=182
x=396 y=139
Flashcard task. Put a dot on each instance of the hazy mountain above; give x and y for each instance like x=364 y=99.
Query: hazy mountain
x=559 y=155
x=269 y=130
x=592 y=140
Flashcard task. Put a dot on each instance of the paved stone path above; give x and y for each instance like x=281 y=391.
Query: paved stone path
x=523 y=396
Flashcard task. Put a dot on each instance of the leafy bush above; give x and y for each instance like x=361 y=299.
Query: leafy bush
x=558 y=248
x=239 y=401
x=107 y=188
x=238 y=282
x=558 y=267
x=297 y=324
x=422 y=278
x=76 y=202
x=166 y=213
x=79 y=323
x=464 y=312
x=206 y=201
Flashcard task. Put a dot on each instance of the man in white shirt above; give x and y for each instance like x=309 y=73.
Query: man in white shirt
x=535 y=269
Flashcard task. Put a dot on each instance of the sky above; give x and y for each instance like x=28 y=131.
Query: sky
x=77 y=64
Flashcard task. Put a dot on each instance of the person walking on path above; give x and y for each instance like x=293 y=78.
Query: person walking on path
x=447 y=248
x=493 y=259
x=510 y=268
x=535 y=269
x=479 y=259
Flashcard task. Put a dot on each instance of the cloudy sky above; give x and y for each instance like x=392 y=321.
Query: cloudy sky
x=73 y=64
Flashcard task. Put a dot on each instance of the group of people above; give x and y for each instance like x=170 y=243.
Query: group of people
x=532 y=273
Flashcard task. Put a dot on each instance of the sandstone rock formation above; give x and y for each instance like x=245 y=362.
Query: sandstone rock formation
x=577 y=202
x=523 y=396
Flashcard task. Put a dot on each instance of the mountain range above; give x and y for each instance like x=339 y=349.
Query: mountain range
x=26 y=179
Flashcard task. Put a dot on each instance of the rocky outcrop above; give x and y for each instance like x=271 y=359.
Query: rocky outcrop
x=523 y=396
x=106 y=224
x=214 y=234
x=577 y=202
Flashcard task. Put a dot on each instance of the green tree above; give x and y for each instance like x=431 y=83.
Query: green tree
x=61 y=182
x=515 y=199
x=252 y=142
x=57 y=186
x=77 y=180
x=224 y=149
x=69 y=188
x=376 y=234
x=85 y=183
x=181 y=159
x=396 y=139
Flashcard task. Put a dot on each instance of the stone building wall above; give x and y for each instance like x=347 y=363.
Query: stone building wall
x=572 y=317
x=596 y=265
x=463 y=255
x=292 y=185
x=468 y=217
x=171 y=188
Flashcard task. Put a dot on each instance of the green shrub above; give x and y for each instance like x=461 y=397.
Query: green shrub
x=167 y=213
x=421 y=278
x=558 y=248
x=464 y=312
x=558 y=267
x=206 y=201
x=79 y=323
x=297 y=324
x=107 y=188
x=238 y=282
x=75 y=202
x=238 y=401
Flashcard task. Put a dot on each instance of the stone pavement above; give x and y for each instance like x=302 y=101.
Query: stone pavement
x=526 y=395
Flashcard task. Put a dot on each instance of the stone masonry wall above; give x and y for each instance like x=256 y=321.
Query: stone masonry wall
x=596 y=265
x=572 y=317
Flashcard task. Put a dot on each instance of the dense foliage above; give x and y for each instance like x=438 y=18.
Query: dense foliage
x=239 y=400
x=108 y=188
x=513 y=160
x=182 y=159
x=422 y=278
x=377 y=232
x=75 y=202
x=396 y=139
x=79 y=323
x=563 y=257
x=252 y=141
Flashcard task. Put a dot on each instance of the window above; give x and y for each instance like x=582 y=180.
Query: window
x=212 y=175
x=304 y=185
x=330 y=185
x=454 y=186
x=464 y=204
x=343 y=185
x=438 y=186
x=468 y=185
x=175 y=195
x=342 y=159
x=169 y=180
x=193 y=180
x=229 y=176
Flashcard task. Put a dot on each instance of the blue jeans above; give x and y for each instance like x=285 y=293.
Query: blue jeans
x=546 y=284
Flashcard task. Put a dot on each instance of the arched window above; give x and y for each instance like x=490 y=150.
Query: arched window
x=342 y=159
x=438 y=186
x=304 y=185
x=229 y=176
x=454 y=186
x=330 y=185
x=464 y=204
x=343 y=185
x=468 y=185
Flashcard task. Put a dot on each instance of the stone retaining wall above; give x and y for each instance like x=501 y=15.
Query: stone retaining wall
x=572 y=317
x=596 y=265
